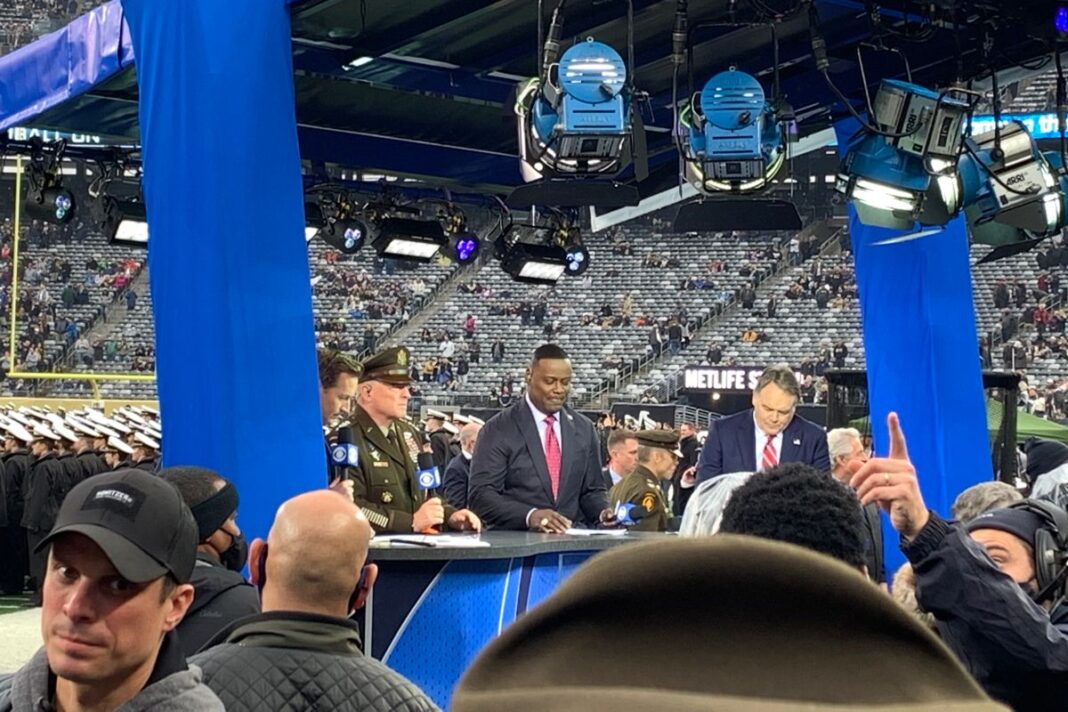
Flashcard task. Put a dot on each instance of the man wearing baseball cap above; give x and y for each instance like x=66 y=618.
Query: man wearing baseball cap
x=116 y=585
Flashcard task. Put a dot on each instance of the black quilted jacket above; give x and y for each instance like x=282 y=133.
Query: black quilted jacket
x=289 y=662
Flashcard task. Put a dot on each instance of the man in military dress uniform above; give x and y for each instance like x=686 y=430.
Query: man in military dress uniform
x=384 y=481
x=440 y=435
x=658 y=453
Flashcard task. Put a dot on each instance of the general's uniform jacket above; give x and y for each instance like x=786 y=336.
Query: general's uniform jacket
x=384 y=483
x=642 y=489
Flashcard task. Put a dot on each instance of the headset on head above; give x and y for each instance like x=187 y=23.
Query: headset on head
x=1050 y=548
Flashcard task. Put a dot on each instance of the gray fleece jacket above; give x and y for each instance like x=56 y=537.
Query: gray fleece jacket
x=172 y=687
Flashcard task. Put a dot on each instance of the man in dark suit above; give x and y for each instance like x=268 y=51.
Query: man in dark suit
x=767 y=434
x=454 y=484
x=847 y=455
x=622 y=457
x=691 y=450
x=536 y=466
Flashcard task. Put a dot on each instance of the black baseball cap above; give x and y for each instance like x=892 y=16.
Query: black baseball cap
x=139 y=520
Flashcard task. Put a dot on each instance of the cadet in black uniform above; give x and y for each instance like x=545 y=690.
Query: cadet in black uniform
x=384 y=481
x=440 y=438
x=85 y=451
x=145 y=453
x=658 y=455
x=14 y=561
x=42 y=500
x=116 y=454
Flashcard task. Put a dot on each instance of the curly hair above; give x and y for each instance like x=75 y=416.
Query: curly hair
x=798 y=504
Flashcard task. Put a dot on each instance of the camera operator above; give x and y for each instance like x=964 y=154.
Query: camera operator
x=995 y=586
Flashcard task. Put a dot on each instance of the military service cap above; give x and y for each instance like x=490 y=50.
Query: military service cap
x=663 y=439
x=389 y=366
x=864 y=652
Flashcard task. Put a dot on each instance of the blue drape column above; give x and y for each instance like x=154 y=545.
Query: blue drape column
x=922 y=354
x=235 y=343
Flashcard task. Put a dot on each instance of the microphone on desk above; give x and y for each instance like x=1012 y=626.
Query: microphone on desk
x=428 y=477
x=343 y=454
x=628 y=515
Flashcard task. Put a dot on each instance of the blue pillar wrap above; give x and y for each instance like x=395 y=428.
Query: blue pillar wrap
x=235 y=342
x=922 y=353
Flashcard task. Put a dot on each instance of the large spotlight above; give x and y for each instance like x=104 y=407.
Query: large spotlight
x=536 y=264
x=54 y=204
x=409 y=239
x=577 y=125
x=885 y=185
x=125 y=222
x=732 y=141
x=887 y=170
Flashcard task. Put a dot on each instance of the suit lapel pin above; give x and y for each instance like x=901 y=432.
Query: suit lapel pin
x=797 y=441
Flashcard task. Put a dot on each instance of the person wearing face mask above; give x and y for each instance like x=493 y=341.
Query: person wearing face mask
x=303 y=651
x=221 y=593
x=995 y=585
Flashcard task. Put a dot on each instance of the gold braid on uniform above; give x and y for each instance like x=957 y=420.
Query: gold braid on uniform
x=379 y=520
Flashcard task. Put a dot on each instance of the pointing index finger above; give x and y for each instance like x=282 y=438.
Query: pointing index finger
x=898 y=448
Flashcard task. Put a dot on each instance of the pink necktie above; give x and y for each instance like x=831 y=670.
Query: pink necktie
x=552 y=454
x=769 y=460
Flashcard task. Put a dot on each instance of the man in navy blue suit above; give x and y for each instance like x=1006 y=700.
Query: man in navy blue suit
x=767 y=434
x=537 y=465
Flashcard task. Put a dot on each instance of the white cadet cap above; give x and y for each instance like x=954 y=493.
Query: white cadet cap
x=145 y=440
x=431 y=413
x=450 y=428
x=65 y=432
x=114 y=443
x=43 y=432
x=19 y=432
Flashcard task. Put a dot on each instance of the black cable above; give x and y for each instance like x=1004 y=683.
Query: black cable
x=971 y=152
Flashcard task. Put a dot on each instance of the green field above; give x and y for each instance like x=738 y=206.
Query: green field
x=10 y=604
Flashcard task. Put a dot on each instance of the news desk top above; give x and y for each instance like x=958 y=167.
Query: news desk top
x=505 y=545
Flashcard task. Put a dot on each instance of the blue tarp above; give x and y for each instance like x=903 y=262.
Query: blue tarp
x=231 y=289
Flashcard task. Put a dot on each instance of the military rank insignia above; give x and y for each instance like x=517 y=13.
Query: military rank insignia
x=387 y=497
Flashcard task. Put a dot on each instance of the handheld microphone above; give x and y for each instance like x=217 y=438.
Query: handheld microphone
x=343 y=453
x=428 y=477
x=629 y=515
x=427 y=474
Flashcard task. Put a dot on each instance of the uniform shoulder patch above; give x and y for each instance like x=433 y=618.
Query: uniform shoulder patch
x=649 y=501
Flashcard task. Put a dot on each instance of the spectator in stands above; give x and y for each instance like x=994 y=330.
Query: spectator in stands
x=990 y=584
x=622 y=456
x=119 y=561
x=714 y=355
x=772 y=307
x=841 y=352
x=766 y=435
x=221 y=594
x=747 y=296
x=847 y=455
x=469 y=327
x=497 y=350
x=313 y=573
x=454 y=483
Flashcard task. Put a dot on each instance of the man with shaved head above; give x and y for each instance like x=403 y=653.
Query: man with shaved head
x=312 y=573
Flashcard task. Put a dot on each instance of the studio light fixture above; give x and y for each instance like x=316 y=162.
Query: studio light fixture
x=535 y=264
x=410 y=239
x=732 y=140
x=125 y=221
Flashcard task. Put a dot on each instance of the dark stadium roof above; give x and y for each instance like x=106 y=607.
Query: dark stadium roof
x=435 y=101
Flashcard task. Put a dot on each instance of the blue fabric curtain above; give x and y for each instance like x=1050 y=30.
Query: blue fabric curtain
x=229 y=270
x=922 y=354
